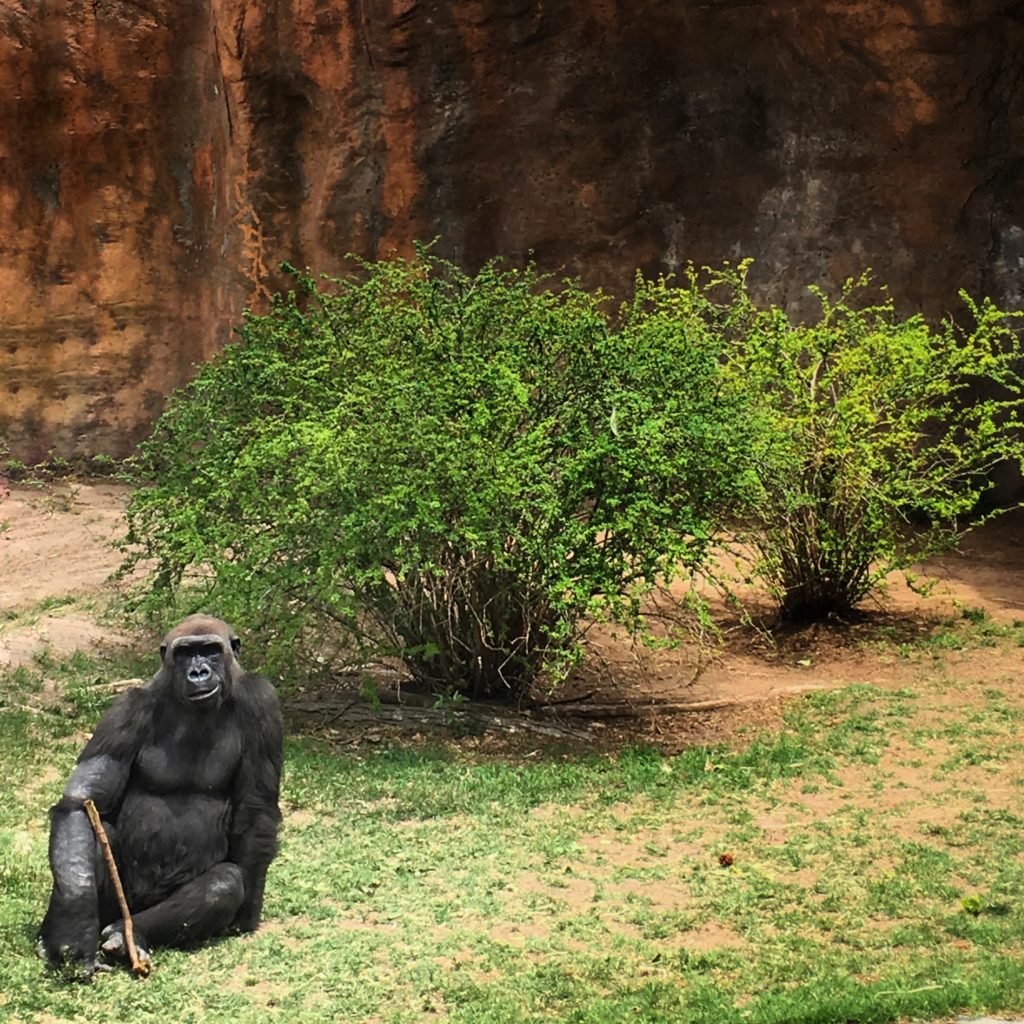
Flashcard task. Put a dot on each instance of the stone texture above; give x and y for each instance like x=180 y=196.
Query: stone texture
x=159 y=158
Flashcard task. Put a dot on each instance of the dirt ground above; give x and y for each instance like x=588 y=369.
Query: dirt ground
x=56 y=545
x=749 y=680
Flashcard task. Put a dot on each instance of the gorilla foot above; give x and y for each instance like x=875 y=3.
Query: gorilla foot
x=114 y=946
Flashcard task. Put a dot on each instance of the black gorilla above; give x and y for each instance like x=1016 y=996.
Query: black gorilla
x=185 y=772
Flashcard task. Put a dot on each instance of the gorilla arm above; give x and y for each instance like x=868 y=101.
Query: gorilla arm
x=71 y=926
x=256 y=816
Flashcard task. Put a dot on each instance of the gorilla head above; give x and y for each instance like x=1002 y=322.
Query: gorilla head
x=199 y=663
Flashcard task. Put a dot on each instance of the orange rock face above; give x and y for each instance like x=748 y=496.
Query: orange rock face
x=160 y=158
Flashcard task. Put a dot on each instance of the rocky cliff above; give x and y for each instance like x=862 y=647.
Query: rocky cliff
x=159 y=158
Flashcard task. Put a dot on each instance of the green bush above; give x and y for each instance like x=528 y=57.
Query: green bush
x=454 y=469
x=13 y=469
x=878 y=433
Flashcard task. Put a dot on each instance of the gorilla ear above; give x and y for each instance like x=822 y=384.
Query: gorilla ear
x=163 y=651
x=236 y=644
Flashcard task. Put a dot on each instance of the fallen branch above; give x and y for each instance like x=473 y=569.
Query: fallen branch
x=624 y=709
x=140 y=968
x=352 y=712
x=117 y=685
x=542 y=705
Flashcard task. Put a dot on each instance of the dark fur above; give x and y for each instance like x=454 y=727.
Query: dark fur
x=188 y=791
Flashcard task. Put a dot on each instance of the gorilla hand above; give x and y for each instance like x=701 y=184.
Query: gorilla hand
x=70 y=945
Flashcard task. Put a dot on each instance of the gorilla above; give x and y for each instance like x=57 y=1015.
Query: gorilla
x=185 y=772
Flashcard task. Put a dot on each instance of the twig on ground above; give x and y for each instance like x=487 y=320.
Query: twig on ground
x=538 y=705
x=117 y=685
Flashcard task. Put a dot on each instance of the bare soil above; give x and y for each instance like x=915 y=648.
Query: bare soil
x=57 y=556
x=56 y=545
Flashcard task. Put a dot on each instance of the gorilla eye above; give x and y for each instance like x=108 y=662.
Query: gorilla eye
x=208 y=651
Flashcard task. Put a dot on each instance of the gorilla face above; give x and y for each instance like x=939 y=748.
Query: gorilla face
x=199 y=664
x=200 y=670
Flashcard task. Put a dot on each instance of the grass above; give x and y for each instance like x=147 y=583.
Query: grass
x=876 y=867
x=31 y=614
x=971 y=629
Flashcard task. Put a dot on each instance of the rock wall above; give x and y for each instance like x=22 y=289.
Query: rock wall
x=159 y=158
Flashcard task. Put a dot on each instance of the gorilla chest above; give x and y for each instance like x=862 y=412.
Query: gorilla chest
x=189 y=760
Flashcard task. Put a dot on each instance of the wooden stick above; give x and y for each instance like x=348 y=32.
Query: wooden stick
x=139 y=967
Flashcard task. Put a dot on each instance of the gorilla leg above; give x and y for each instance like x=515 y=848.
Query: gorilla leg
x=200 y=909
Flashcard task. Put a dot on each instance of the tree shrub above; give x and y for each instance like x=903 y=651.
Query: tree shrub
x=878 y=433
x=455 y=469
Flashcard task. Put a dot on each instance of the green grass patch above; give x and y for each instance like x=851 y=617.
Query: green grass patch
x=432 y=884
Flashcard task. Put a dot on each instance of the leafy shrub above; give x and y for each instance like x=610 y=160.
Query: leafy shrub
x=101 y=465
x=13 y=469
x=453 y=469
x=879 y=434
x=53 y=467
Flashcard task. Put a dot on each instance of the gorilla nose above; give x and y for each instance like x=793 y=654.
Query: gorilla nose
x=199 y=673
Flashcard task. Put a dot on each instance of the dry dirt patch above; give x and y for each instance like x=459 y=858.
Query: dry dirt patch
x=56 y=558
x=57 y=541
